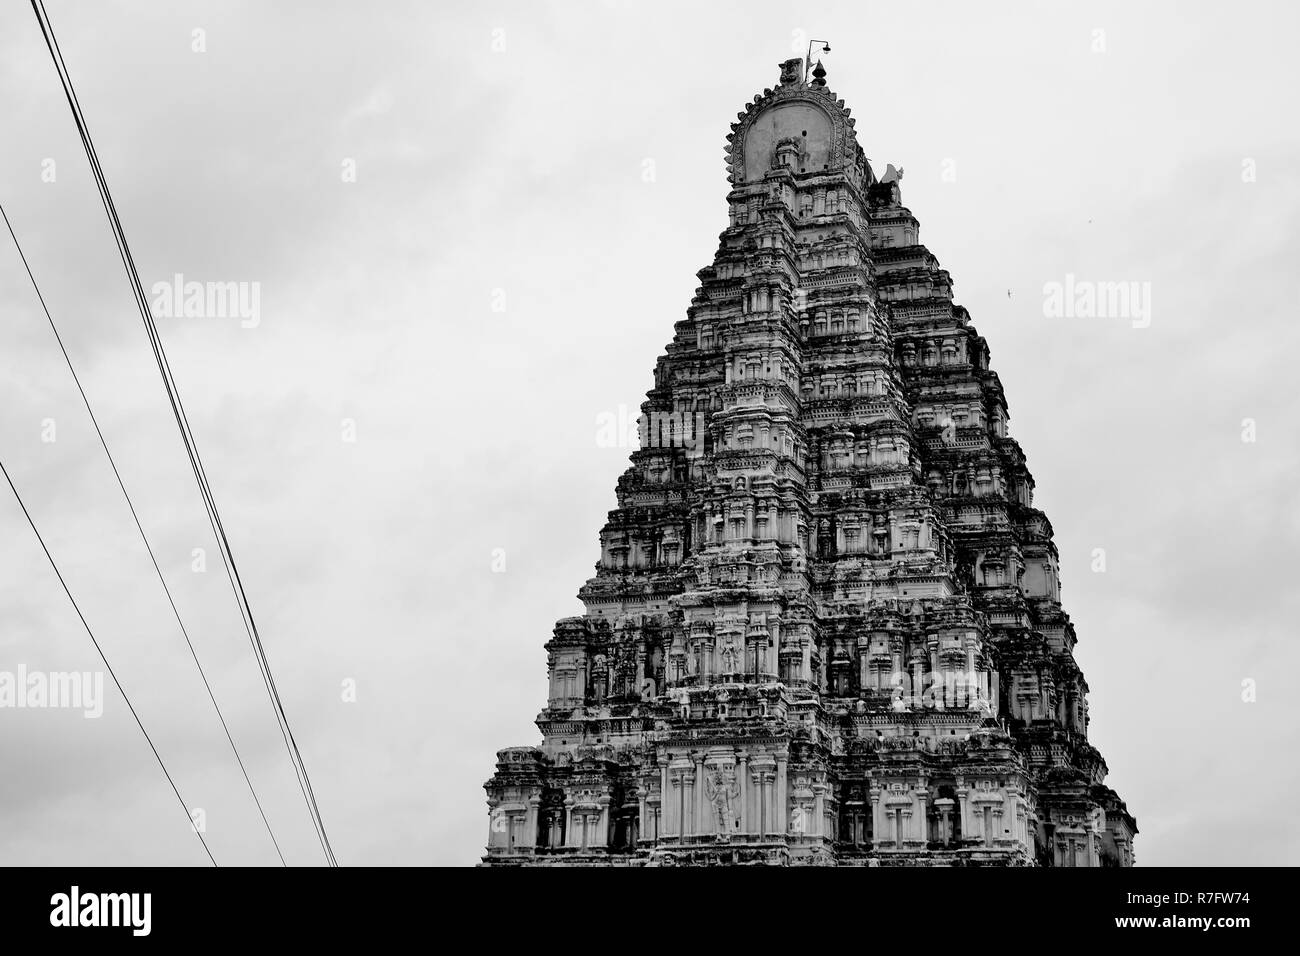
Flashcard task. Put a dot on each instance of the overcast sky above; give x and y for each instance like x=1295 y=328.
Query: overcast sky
x=536 y=185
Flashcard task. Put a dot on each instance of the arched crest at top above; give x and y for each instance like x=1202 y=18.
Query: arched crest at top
x=780 y=113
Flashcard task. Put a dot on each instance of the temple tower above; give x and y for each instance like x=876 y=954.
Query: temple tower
x=825 y=627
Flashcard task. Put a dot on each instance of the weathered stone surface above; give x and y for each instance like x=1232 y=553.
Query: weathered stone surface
x=825 y=627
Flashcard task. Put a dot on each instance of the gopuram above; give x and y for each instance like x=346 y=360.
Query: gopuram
x=825 y=627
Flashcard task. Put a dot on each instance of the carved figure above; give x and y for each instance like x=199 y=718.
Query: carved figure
x=721 y=787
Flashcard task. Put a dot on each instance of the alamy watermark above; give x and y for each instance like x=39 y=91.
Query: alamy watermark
x=1086 y=299
x=622 y=429
x=127 y=910
x=179 y=299
x=63 y=690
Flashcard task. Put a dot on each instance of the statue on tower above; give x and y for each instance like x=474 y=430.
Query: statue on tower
x=721 y=787
x=792 y=71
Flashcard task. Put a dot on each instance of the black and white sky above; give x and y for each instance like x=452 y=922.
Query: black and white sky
x=471 y=228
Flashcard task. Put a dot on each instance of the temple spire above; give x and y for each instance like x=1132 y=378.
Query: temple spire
x=825 y=625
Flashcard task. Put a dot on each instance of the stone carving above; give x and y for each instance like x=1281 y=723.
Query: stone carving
x=839 y=544
x=721 y=788
x=792 y=71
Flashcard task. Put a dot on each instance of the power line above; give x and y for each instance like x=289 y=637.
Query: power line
x=182 y=421
x=139 y=723
x=187 y=436
x=143 y=537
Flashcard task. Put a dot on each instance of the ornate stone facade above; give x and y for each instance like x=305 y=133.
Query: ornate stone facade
x=825 y=627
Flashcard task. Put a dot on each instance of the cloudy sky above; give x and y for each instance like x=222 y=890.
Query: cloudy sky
x=535 y=186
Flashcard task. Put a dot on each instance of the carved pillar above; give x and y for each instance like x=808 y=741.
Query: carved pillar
x=774 y=659
x=677 y=806
x=877 y=818
x=944 y=807
x=962 y=793
x=782 y=815
x=684 y=805
x=970 y=674
x=698 y=821
x=742 y=772
x=530 y=821
x=493 y=816
x=570 y=832
x=922 y=819
x=601 y=836
x=665 y=796
x=771 y=826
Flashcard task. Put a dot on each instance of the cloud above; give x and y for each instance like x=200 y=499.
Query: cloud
x=515 y=177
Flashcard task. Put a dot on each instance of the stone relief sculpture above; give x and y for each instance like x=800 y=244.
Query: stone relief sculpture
x=721 y=788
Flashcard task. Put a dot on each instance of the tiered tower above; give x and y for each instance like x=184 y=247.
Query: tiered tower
x=825 y=626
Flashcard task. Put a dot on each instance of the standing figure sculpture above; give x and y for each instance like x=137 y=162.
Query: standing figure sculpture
x=721 y=787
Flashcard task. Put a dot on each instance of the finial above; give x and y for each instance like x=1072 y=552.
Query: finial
x=819 y=74
x=807 y=60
